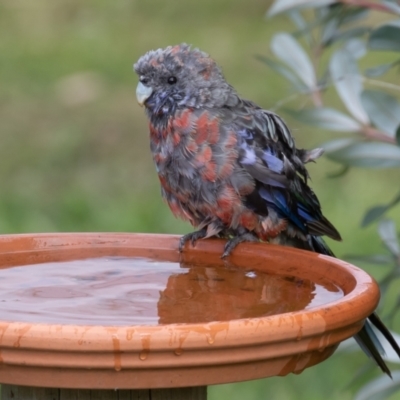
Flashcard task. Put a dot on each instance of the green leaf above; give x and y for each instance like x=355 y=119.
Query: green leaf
x=352 y=14
x=323 y=16
x=340 y=15
x=388 y=234
x=379 y=388
x=386 y=37
x=285 y=72
x=330 y=28
x=356 y=47
x=371 y=258
x=280 y=6
x=367 y=155
x=373 y=214
x=348 y=84
x=301 y=24
x=392 y=6
x=326 y=118
x=383 y=110
x=376 y=212
x=350 y=33
x=338 y=174
x=338 y=144
x=379 y=70
x=298 y=19
x=288 y=50
x=390 y=354
x=398 y=135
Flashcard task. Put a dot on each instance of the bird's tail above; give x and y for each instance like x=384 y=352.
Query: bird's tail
x=366 y=337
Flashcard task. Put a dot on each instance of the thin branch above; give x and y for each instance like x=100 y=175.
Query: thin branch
x=317 y=98
x=383 y=84
x=369 y=4
x=372 y=133
x=288 y=99
x=316 y=95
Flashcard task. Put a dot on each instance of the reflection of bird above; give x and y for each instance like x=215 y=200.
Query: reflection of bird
x=229 y=167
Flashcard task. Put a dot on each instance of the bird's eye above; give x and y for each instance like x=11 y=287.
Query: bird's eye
x=143 y=79
x=172 y=80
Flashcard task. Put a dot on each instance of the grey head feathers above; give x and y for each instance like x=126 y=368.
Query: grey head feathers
x=186 y=75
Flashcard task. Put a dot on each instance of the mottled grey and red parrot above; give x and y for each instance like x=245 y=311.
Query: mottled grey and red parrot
x=228 y=166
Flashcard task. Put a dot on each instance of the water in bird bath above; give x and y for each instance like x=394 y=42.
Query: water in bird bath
x=119 y=291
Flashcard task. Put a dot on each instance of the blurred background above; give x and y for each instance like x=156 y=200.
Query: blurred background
x=74 y=145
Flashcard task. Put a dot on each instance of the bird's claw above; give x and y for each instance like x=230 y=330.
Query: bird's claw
x=193 y=237
x=232 y=243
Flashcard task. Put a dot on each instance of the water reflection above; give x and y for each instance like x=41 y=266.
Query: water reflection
x=133 y=291
x=217 y=293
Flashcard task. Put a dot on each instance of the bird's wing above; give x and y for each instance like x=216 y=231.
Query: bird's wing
x=268 y=153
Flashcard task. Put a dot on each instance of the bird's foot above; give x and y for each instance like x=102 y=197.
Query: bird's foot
x=232 y=243
x=193 y=237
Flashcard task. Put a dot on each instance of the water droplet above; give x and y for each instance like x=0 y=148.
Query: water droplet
x=210 y=340
x=117 y=367
x=143 y=355
x=178 y=352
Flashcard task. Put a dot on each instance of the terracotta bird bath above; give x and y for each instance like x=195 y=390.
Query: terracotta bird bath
x=202 y=320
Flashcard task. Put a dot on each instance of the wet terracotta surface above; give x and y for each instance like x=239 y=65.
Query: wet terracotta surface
x=181 y=354
x=123 y=291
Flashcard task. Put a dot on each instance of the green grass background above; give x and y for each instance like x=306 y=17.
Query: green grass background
x=74 y=146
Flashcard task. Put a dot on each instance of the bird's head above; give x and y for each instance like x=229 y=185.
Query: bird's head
x=180 y=77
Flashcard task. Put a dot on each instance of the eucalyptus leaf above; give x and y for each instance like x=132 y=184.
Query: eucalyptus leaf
x=282 y=70
x=348 y=345
x=367 y=155
x=326 y=118
x=330 y=28
x=376 y=212
x=329 y=17
x=379 y=388
x=370 y=258
x=398 y=135
x=348 y=83
x=323 y=16
x=338 y=144
x=391 y=5
x=287 y=49
x=386 y=37
x=352 y=14
x=388 y=234
x=373 y=214
x=390 y=353
x=337 y=174
x=298 y=19
x=380 y=70
x=383 y=110
x=351 y=33
x=280 y=6
x=356 y=47
x=301 y=24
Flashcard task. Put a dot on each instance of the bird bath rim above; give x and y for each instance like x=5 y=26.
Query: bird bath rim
x=177 y=355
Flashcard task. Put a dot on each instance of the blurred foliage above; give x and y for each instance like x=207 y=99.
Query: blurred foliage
x=74 y=145
x=343 y=32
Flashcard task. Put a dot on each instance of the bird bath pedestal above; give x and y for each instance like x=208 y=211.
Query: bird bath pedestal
x=175 y=359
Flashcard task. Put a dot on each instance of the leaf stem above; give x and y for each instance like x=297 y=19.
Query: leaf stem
x=282 y=102
x=368 y=4
x=383 y=84
x=374 y=134
x=316 y=96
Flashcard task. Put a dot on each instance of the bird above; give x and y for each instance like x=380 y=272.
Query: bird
x=230 y=167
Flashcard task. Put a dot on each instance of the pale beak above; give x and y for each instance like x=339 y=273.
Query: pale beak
x=143 y=93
